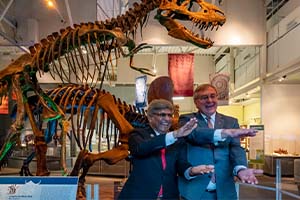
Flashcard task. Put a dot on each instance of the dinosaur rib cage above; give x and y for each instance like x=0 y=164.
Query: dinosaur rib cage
x=80 y=105
x=81 y=55
x=88 y=53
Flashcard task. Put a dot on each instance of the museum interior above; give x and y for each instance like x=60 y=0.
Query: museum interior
x=252 y=58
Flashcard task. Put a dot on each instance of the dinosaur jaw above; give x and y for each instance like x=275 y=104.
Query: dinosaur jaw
x=202 y=15
x=178 y=31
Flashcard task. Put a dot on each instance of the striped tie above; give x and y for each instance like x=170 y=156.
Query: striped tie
x=210 y=125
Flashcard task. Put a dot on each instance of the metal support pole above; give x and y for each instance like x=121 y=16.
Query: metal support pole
x=278 y=180
x=89 y=191
x=69 y=13
x=6 y=9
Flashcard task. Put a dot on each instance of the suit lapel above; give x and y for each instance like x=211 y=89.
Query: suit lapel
x=219 y=121
x=152 y=134
x=201 y=120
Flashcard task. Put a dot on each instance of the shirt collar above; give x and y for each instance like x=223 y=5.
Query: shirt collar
x=212 y=117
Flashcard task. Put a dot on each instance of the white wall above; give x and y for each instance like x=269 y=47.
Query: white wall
x=282 y=51
x=245 y=23
x=281 y=117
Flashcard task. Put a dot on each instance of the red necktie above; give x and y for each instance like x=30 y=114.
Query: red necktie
x=164 y=164
x=163 y=158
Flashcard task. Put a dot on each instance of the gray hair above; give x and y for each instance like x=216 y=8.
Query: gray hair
x=202 y=88
x=159 y=104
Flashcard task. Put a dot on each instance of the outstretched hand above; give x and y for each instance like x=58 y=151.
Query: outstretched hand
x=186 y=129
x=237 y=133
x=248 y=175
x=201 y=169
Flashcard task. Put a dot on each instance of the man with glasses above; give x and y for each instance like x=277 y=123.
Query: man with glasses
x=224 y=152
x=158 y=155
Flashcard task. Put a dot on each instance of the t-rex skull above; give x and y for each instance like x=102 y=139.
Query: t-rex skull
x=207 y=16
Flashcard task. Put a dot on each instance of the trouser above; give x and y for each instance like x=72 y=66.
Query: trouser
x=207 y=195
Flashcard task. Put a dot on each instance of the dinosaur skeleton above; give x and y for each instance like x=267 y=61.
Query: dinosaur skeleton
x=90 y=111
x=63 y=55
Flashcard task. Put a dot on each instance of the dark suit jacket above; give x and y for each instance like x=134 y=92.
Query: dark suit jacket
x=147 y=174
x=224 y=156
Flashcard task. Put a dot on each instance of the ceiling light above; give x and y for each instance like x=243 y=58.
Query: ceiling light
x=282 y=78
x=50 y=4
x=178 y=98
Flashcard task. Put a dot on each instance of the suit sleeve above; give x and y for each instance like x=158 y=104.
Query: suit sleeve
x=141 y=143
x=237 y=152
x=199 y=136
x=182 y=162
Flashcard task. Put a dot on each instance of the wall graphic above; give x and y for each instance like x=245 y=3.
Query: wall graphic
x=221 y=83
x=181 y=71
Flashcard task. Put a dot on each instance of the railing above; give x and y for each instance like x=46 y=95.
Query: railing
x=277 y=189
x=93 y=190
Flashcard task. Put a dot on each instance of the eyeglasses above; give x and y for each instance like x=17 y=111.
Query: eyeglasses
x=163 y=114
x=206 y=97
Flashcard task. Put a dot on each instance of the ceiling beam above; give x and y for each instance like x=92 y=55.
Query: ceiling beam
x=6 y=9
x=2 y=17
x=13 y=42
x=69 y=13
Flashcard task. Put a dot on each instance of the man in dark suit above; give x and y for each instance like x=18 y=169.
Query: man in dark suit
x=151 y=177
x=225 y=153
x=154 y=176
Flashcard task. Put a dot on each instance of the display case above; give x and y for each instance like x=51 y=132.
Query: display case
x=287 y=165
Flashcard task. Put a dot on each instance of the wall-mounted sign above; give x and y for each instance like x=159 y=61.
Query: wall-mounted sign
x=256 y=145
x=141 y=91
x=36 y=188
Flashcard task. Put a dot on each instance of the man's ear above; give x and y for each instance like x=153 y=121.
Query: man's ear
x=149 y=118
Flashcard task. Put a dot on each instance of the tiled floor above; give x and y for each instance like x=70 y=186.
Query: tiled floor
x=110 y=186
